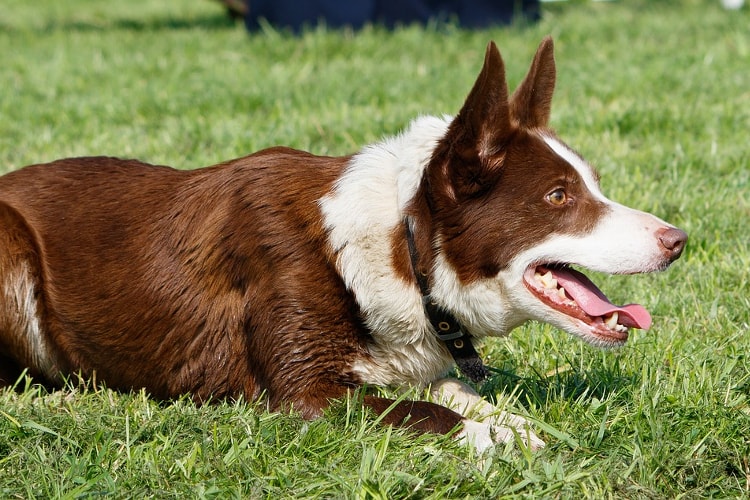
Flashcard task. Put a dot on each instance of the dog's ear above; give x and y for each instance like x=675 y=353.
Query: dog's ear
x=532 y=100
x=470 y=154
x=484 y=120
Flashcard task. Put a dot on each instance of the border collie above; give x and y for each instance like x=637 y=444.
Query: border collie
x=301 y=277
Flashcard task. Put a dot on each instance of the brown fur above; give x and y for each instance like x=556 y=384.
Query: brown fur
x=155 y=278
x=220 y=282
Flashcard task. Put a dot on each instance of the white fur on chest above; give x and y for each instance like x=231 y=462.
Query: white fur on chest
x=365 y=208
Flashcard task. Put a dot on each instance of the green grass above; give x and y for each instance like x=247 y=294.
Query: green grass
x=654 y=93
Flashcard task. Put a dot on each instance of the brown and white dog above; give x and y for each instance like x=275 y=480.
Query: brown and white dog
x=302 y=277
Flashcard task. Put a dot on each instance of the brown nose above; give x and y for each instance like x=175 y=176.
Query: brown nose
x=673 y=242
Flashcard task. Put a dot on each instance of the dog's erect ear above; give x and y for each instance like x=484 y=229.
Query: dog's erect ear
x=484 y=120
x=469 y=157
x=532 y=100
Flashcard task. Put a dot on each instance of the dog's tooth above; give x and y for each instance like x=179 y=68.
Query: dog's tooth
x=611 y=321
x=561 y=293
x=548 y=280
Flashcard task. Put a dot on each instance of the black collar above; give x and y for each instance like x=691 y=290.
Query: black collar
x=444 y=324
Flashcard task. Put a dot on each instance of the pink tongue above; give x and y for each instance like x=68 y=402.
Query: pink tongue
x=595 y=303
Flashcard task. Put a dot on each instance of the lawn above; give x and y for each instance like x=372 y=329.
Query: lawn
x=655 y=94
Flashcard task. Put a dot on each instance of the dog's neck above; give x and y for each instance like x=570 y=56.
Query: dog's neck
x=445 y=326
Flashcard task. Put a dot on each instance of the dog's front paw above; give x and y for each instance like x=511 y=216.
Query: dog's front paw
x=483 y=425
x=505 y=425
x=499 y=429
x=476 y=434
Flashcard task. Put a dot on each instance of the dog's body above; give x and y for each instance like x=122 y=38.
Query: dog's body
x=291 y=274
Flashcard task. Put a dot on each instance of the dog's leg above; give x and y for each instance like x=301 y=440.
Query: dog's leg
x=421 y=416
x=22 y=339
x=483 y=424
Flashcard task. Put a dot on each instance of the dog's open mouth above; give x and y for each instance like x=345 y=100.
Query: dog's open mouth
x=572 y=293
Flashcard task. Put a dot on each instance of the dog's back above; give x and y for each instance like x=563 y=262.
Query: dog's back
x=152 y=277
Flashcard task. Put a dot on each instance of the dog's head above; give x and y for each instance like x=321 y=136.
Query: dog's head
x=513 y=209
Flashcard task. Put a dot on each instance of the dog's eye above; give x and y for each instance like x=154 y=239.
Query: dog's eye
x=558 y=197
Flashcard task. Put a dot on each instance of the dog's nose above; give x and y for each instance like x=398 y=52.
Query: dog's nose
x=672 y=241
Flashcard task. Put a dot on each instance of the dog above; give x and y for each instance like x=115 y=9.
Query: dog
x=299 y=278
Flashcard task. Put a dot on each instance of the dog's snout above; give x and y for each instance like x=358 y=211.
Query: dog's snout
x=672 y=241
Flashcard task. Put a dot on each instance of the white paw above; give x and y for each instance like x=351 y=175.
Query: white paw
x=476 y=434
x=484 y=424
x=506 y=424
x=483 y=435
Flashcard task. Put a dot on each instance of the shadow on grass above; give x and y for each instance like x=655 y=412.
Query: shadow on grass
x=564 y=383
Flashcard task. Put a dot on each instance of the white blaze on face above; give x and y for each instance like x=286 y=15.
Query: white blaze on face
x=624 y=241
x=574 y=160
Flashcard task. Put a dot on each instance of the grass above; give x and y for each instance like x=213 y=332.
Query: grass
x=653 y=93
